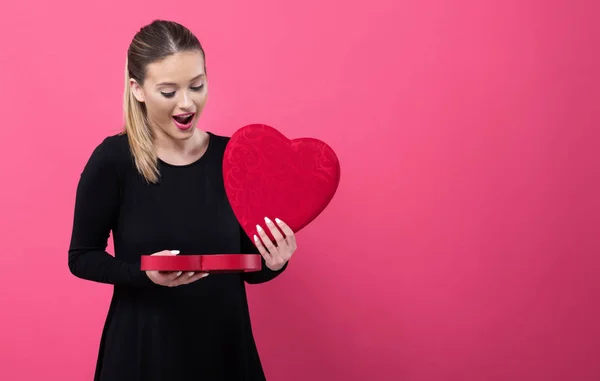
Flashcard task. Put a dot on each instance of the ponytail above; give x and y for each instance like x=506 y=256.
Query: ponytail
x=139 y=134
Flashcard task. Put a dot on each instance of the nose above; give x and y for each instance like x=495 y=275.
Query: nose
x=185 y=102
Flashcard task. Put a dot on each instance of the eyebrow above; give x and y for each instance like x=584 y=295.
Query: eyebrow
x=174 y=84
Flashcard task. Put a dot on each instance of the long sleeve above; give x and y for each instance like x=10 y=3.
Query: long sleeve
x=265 y=274
x=96 y=211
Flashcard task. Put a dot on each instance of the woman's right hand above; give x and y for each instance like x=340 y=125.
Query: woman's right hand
x=173 y=278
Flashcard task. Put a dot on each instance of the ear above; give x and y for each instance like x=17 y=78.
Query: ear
x=137 y=90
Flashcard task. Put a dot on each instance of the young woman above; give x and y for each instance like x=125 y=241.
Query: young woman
x=158 y=187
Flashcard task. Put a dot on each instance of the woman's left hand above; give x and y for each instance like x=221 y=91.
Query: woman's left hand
x=275 y=254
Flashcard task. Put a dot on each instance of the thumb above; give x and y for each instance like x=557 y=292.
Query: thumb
x=167 y=252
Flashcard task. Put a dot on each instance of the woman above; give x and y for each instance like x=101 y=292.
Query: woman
x=158 y=187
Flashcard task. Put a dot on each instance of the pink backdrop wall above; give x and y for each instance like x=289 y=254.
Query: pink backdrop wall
x=463 y=242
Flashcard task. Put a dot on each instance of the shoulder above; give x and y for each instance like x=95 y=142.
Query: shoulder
x=218 y=142
x=109 y=154
x=114 y=146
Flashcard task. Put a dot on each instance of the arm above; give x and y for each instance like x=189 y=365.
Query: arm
x=265 y=274
x=96 y=210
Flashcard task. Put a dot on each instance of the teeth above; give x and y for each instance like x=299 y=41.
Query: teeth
x=185 y=120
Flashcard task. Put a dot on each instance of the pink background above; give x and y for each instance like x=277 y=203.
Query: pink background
x=463 y=241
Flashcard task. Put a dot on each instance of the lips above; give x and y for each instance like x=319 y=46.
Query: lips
x=184 y=121
x=184 y=118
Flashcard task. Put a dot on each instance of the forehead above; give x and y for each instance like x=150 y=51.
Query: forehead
x=176 y=68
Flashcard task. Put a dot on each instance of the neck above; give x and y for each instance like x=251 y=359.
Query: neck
x=181 y=151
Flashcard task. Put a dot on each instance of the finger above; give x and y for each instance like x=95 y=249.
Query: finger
x=276 y=233
x=164 y=277
x=289 y=233
x=174 y=275
x=266 y=241
x=186 y=278
x=197 y=276
x=194 y=276
x=261 y=249
x=167 y=252
x=167 y=275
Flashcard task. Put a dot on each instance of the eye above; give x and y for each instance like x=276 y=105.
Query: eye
x=168 y=95
x=197 y=88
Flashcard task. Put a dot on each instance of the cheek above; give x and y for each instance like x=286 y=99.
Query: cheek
x=200 y=99
x=159 y=108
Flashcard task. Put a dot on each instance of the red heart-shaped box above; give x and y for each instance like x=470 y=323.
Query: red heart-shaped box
x=266 y=175
x=205 y=263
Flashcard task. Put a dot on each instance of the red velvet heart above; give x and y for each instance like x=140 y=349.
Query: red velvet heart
x=268 y=175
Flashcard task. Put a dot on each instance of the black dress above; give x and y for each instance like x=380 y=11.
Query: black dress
x=199 y=331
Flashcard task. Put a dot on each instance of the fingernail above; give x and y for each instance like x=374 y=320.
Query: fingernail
x=267 y=220
x=258 y=228
x=175 y=252
x=205 y=275
x=278 y=220
x=190 y=274
x=255 y=238
x=179 y=273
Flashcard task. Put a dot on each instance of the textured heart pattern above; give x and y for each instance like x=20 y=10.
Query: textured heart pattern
x=268 y=175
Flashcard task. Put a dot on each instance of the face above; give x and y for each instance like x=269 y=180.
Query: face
x=174 y=91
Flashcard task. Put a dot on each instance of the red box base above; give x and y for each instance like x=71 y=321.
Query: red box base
x=205 y=263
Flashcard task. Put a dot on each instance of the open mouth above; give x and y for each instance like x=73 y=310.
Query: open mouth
x=184 y=119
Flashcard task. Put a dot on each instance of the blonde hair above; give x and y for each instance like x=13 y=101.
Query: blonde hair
x=151 y=43
x=139 y=134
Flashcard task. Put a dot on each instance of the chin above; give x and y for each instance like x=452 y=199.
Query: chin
x=183 y=134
